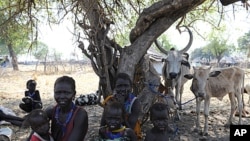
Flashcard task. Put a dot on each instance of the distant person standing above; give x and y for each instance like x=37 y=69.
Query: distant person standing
x=5 y=61
x=32 y=99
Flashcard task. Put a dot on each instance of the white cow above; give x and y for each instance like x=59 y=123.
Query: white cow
x=175 y=66
x=207 y=84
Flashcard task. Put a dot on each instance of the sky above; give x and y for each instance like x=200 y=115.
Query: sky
x=236 y=26
x=60 y=37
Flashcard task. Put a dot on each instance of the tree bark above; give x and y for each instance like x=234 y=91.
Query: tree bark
x=227 y=2
x=14 y=57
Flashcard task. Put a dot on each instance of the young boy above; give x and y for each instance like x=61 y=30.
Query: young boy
x=32 y=99
x=39 y=123
x=68 y=121
x=114 y=115
x=159 y=118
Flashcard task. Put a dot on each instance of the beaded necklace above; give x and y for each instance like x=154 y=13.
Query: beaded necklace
x=69 y=115
x=31 y=94
x=116 y=133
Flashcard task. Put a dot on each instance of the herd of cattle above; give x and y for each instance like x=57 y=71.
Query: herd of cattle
x=207 y=82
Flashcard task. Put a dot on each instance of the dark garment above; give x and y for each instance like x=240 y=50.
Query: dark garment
x=56 y=129
x=31 y=101
x=14 y=120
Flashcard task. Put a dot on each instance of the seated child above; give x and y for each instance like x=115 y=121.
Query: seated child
x=32 y=99
x=39 y=123
x=159 y=117
x=114 y=115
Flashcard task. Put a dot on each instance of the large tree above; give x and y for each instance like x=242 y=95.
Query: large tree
x=102 y=21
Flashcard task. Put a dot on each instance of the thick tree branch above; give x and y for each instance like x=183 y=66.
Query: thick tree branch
x=167 y=8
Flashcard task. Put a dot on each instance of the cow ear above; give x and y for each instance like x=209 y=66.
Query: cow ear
x=188 y=76
x=214 y=73
x=185 y=55
x=185 y=63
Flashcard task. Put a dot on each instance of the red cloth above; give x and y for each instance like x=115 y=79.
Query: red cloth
x=36 y=137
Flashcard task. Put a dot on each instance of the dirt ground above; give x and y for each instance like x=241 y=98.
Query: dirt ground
x=13 y=85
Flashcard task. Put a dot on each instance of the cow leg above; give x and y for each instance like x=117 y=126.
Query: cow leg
x=244 y=111
x=177 y=95
x=181 y=92
x=198 y=105
x=240 y=105
x=233 y=109
x=206 y=113
x=177 y=115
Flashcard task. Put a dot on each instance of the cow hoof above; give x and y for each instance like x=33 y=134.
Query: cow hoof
x=244 y=112
x=227 y=125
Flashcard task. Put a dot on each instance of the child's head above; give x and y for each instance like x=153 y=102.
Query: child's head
x=31 y=85
x=114 y=115
x=159 y=116
x=38 y=121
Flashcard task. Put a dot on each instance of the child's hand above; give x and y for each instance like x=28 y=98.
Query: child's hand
x=27 y=100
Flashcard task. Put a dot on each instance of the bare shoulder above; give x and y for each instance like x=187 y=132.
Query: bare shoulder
x=81 y=114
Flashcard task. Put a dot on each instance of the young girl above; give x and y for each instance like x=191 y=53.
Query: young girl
x=32 y=99
x=68 y=121
x=39 y=123
x=114 y=129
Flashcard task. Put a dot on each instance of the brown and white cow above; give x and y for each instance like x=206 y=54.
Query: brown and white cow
x=209 y=83
x=247 y=91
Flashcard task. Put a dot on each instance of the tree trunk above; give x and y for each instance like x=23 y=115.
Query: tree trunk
x=14 y=57
x=45 y=63
x=152 y=22
x=102 y=51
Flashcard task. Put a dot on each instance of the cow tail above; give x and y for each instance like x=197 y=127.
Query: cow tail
x=242 y=91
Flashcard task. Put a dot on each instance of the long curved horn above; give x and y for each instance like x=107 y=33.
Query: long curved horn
x=190 y=41
x=160 y=47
